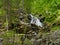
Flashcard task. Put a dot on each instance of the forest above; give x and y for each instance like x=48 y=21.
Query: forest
x=29 y=22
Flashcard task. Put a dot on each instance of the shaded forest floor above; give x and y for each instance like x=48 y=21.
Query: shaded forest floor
x=11 y=38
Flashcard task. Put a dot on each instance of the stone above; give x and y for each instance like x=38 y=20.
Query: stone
x=1 y=39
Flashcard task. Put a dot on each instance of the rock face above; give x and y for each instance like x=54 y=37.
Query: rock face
x=52 y=38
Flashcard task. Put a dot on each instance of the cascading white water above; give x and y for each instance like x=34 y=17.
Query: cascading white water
x=36 y=21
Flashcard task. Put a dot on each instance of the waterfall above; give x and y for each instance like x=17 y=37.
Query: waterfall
x=36 y=21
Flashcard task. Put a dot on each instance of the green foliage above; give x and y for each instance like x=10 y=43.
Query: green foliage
x=45 y=7
x=50 y=9
x=2 y=12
